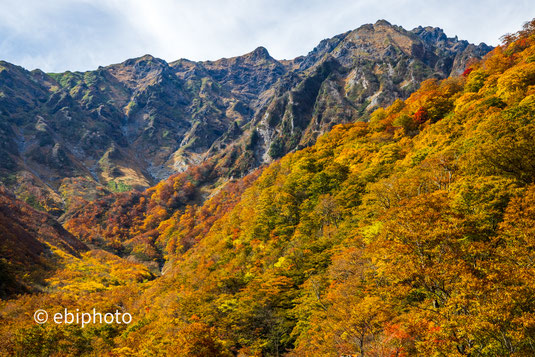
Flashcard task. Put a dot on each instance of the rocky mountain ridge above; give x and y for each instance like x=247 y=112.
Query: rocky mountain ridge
x=130 y=125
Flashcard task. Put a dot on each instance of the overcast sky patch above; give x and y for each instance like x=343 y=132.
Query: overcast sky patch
x=59 y=35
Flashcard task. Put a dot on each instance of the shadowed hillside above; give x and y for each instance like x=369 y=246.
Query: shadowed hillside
x=29 y=245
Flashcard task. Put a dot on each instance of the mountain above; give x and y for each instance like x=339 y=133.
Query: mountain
x=409 y=234
x=81 y=135
x=341 y=80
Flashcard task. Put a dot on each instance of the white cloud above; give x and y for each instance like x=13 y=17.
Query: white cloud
x=57 y=35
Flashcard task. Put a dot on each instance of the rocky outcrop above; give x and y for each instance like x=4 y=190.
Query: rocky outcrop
x=343 y=79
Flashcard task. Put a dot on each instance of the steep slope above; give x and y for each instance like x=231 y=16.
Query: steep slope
x=411 y=234
x=31 y=245
x=343 y=79
x=70 y=136
x=136 y=225
x=244 y=147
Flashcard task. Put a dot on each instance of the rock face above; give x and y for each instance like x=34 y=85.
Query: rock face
x=129 y=125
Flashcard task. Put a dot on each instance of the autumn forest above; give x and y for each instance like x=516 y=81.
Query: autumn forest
x=404 y=230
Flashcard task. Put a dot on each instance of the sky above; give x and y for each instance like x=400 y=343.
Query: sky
x=60 y=35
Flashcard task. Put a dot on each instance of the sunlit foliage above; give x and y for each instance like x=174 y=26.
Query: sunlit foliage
x=411 y=234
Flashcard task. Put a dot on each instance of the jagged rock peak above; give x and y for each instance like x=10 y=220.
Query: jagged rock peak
x=145 y=59
x=431 y=34
x=261 y=52
x=383 y=22
x=258 y=54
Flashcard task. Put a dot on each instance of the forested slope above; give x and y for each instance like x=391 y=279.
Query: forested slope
x=408 y=235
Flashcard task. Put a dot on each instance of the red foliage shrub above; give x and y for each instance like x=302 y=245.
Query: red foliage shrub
x=421 y=116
